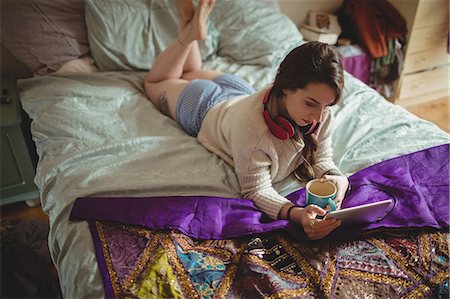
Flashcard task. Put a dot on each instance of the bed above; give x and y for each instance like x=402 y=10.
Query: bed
x=140 y=209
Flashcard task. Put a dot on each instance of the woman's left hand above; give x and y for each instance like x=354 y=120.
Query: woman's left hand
x=341 y=183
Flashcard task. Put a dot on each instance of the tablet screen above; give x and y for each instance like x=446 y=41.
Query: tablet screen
x=367 y=213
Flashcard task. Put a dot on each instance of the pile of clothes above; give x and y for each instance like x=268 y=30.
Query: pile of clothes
x=381 y=31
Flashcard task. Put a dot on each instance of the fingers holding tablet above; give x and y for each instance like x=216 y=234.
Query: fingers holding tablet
x=367 y=213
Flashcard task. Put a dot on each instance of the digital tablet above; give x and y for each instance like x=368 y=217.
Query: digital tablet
x=367 y=213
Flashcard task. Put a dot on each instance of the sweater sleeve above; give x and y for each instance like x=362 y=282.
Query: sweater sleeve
x=256 y=184
x=324 y=160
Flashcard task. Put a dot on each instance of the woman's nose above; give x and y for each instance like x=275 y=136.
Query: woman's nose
x=317 y=115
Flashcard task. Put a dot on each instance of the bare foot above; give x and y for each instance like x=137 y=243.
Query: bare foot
x=186 y=12
x=196 y=28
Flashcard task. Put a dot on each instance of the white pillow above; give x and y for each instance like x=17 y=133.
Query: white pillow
x=129 y=34
x=252 y=32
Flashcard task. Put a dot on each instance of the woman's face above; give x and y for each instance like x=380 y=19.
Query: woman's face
x=307 y=104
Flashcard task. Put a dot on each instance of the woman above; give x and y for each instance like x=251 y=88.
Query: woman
x=267 y=135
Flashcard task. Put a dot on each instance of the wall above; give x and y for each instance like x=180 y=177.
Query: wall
x=9 y=65
x=297 y=10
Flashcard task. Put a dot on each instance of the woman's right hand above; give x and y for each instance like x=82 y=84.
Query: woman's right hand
x=314 y=228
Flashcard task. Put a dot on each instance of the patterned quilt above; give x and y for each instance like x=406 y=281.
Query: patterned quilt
x=208 y=247
x=138 y=262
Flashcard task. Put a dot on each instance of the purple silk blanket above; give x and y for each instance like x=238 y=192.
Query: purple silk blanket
x=418 y=182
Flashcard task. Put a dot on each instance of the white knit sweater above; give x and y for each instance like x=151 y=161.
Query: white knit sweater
x=236 y=131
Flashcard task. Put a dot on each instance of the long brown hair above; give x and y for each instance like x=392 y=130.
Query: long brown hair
x=310 y=62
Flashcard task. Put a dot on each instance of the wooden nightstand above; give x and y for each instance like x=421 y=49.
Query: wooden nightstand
x=426 y=66
x=17 y=171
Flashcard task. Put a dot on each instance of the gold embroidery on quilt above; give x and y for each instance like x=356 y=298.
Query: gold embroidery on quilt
x=330 y=271
x=290 y=293
x=210 y=262
x=443 y=239
x=138 y=230
x=178 y=268
x=420 y=292
x=230 y=273
x=207 y=247
x=432 y=248
x=397 y=257
x=375 y=277
x=142 y=262
x=313 y=274
x=112 y=274
x=440 y=277
x=441 y=243
x=425 y=246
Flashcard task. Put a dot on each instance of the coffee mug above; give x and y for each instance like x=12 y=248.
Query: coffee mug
x=321 y=194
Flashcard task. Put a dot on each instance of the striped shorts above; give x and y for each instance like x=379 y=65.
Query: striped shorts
x=200 y=95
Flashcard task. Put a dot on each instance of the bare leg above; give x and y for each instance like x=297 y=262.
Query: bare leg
x=186 y=12
x=194 y=60
x=170 y=64
x=181 y=61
